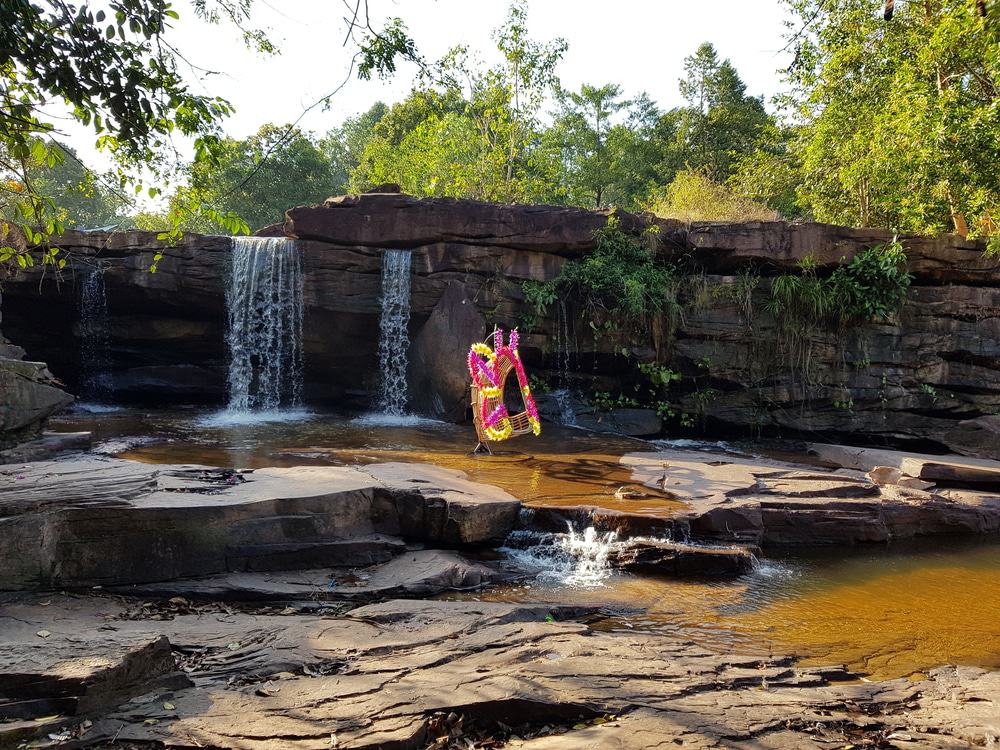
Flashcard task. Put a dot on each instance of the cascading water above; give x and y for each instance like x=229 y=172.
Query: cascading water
x=95 y=337
x=562 y=395
x=264 y=300
x=572 y=559
x=394 y=340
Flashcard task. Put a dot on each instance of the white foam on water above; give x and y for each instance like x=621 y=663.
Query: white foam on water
x=570 y=559
x=89 y=407
x=246 y=418
x=381 y=419
x=701 y=445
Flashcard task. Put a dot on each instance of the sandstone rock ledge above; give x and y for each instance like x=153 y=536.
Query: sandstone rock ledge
x=381 y=676
x=736 y=499
x=102 y=521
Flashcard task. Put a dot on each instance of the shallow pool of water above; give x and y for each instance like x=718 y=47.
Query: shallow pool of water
x=882 y=611
x=886 y=612
x=563 y=466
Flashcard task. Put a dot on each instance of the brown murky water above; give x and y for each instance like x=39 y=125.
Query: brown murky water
x=884 y=612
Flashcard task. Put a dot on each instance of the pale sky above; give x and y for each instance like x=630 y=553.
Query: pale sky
x=639 y=44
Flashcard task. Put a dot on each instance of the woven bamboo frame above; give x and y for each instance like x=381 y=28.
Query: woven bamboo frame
x=519 y=422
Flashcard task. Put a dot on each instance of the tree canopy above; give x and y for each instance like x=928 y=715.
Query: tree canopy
x=890 y=122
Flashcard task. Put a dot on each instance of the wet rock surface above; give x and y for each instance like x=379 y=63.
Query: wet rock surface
x=402 y=674
x=736 y=499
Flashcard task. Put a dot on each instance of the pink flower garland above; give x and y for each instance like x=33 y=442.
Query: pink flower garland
x=484 y=368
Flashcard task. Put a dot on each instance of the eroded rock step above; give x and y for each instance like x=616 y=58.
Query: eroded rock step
x=141 y=524
x=400 y=673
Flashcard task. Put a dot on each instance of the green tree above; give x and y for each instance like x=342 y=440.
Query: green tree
x=344 y=146
x=901 y=119
x=259 y=177
x=81 y=197
x=472 y=131
x=598 y=150
x=117 y=72
x=721 y=122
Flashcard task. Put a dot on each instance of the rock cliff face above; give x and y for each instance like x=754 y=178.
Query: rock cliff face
x=931 y=376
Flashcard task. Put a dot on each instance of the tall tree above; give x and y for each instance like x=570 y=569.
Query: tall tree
x=345 y=145
x=116 y=71
x=257 y=178
x=901 y=118
x=721 y=122
x=471 y=130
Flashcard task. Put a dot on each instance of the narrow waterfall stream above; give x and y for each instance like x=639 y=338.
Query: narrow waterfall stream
x=394 y=340
x=95 y=339
x=563 y=395
x=264 y=301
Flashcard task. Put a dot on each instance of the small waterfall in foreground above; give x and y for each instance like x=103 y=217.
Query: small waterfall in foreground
x=572 y=559
x=95 y=339
x=264 y=301
x=394 y=340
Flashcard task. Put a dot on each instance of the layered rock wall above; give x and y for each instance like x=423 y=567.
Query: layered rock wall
x=931 y=375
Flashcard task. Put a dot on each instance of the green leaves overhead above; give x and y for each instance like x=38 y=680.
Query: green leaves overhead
x=901 y=118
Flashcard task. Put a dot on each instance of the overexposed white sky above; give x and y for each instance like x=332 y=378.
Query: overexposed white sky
x=639 y=44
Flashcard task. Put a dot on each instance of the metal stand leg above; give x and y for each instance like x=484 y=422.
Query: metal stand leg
x=482 y=448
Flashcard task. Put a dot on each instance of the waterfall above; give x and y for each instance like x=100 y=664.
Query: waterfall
x=264 y=301
x=393 y=337
x=562 y=395
x=573 y=559
x=95 y=338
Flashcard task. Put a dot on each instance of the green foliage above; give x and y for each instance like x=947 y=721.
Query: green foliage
x=257 y=178
x=472 y=131
x=721 y=122
x=659 y=376
x=901 y=123
x=619 y=282
x=694 y=196
x=872 y=286
x=603 y=401
x=116 y=71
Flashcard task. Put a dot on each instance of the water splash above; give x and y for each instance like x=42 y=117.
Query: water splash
x=570 y=559
x=590 y=550
x=264 y=300
x=95 y=339
x=564 y=400
x=394 y=340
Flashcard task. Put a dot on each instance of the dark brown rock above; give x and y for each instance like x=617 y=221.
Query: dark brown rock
x=398 y=220
x=681 y=560
x=29 y=396
x=175 y=522
x=409 y=574
x=978 y=437
x=438 y=378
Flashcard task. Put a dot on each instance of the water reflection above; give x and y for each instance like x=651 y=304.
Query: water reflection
x=887 y=612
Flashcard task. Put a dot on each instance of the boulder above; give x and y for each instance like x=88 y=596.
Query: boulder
x=438 y=378
x=410 y=574
x=30 y=396
x=681 y=560
x=979 y=437
x=622 y=421
x=181 y=521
